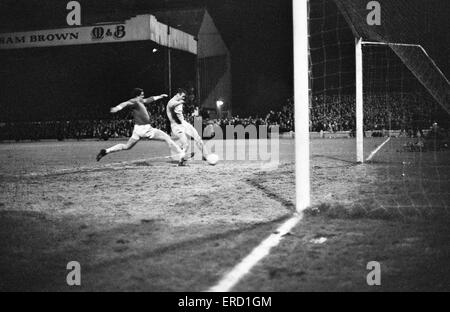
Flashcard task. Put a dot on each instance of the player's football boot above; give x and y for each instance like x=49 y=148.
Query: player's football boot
x=190 y=156
x=182 y=161
x=101 y=154
x=185 y=158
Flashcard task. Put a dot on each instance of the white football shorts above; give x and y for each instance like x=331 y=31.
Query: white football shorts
x=185 y=128
x=143 y=131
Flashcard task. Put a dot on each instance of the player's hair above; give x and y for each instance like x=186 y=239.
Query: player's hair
x=136 y=92
x=181 y=90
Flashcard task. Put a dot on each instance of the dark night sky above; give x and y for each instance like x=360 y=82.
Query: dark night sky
x=262 y=50
x=257 y=32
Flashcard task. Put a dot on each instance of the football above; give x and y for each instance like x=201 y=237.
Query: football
x=212 y=159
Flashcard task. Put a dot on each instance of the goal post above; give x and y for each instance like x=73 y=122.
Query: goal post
x=437 y=87
x=403 y=79
x=432 y=69
x=301 y=102
x=372 y=82
x=348 y=80
x=359 y=101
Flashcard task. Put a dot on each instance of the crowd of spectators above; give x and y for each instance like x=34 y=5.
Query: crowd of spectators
x=284 y=118
x=406 y=112
x=332 y=113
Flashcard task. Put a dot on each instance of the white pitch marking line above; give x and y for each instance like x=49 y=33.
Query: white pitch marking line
x=377 y=149
x=244 y=267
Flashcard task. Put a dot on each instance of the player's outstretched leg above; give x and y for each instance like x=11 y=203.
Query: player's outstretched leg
x=161 y=135
x=116 y=148
x=179 y=132
x=101 y=154
x=192 y=132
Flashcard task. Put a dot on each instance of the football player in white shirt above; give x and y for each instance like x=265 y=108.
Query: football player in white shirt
x=180 y=127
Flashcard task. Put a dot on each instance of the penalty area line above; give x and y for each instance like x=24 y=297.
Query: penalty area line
x=257 y=254
x=377 y=149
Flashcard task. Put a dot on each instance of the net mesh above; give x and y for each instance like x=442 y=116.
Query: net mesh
x=405 y=103
x=332 y=72
x=394 y=99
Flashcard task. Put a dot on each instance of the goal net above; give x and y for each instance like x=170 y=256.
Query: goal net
x=372 y=83
x=402 y=98
x=379 y=94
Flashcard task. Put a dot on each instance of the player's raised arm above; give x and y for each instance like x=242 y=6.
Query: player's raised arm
x=154 y=98
x=121 y=106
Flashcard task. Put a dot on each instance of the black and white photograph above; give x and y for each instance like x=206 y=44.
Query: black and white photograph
x=249 y=147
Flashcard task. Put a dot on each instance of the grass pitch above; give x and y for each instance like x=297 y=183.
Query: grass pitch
x=136 y=224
